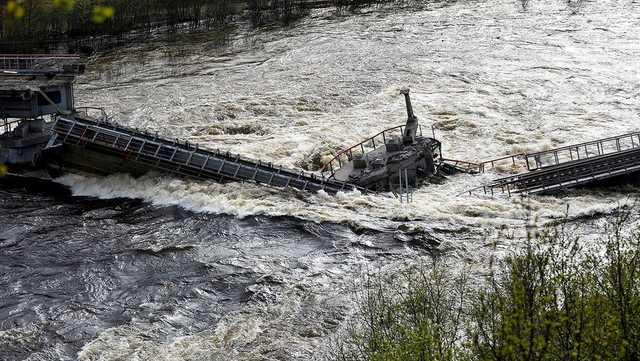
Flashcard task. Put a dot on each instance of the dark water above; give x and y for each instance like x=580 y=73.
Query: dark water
x=72 y=267
x=161 y=269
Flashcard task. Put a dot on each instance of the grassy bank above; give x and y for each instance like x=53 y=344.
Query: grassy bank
x=559 y=298
x=29 y=25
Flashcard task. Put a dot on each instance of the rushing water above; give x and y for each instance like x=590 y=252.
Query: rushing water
x=163 y=269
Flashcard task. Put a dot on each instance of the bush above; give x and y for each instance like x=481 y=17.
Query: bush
x=559 y=298
x=415 y=314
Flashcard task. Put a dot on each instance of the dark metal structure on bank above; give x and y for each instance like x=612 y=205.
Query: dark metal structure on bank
x=44 y=134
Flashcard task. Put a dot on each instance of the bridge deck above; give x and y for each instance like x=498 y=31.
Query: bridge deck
x=572 y=166
x=185 y=159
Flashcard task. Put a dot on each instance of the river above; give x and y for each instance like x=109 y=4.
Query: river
x=117 y=268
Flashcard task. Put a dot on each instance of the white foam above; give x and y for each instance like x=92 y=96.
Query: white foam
x=432 y=204
x=493 y=77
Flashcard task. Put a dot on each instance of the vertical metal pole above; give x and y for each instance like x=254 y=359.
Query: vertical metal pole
x=400 y=183
x=406 y=182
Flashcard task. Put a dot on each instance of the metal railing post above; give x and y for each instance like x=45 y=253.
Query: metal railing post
x=406 y=181
x=400 y=184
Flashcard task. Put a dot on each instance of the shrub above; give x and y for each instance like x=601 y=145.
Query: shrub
x=415 y=314
x=558 y=298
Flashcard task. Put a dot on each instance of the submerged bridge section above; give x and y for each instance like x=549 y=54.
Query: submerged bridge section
x=571 y=166
x=156 y=153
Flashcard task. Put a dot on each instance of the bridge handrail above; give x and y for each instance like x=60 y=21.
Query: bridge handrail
x=41 y=56
x=29 y=61
x=591 y=142
x=468 y=165
x=103 y=114
x=116 y=128
x=481 y=166
x=329 y=166
x=536 y=156
x=115 y=133
x=513 y=158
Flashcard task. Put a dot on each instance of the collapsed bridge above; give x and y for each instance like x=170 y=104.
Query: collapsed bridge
x=103 y=147
x=42 y=129
x=594 y=162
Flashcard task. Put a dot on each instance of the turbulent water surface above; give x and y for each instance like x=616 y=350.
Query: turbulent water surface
x=116 y=268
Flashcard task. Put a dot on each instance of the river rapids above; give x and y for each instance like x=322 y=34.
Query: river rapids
x=155 y=268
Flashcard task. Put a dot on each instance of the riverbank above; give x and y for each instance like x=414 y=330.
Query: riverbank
x=47 y=28
x=162 y=269
x=559 y=297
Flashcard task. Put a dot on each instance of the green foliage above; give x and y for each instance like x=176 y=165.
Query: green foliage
x=64 y=4
x=101 y=13
x=415 y=314
x=559 y=301
x=41 y=21
x=46 y=19
x=559 y=298
x=15 y=9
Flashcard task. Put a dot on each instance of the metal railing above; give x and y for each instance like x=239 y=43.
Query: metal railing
x=187 y=159
x=463 y=165
x=96 y=113
x=587 y=150
x=557 y=156
x=7 y=126
x=369 y=144
x=492 y=163
x=481 y=167
x=17 y=62
x=566 y=175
